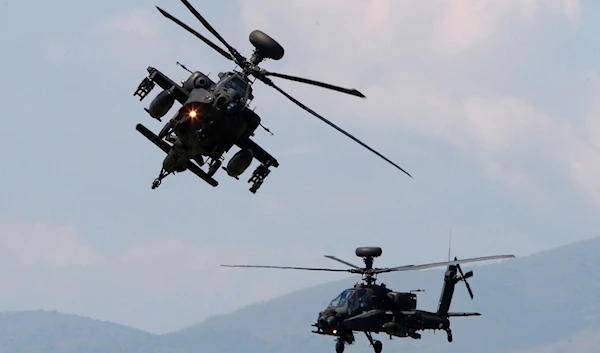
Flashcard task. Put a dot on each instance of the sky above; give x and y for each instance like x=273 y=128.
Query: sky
x=492 y=106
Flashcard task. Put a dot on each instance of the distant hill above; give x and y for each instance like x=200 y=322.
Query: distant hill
x=52 y=332
x=545 y=303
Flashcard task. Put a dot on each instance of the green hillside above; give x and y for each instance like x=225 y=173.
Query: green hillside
x=543 y=303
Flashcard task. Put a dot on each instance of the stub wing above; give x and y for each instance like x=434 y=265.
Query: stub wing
x=259 y=153
x=191 y=166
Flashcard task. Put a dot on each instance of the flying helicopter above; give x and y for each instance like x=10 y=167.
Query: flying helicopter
x=374 y=308
x=215 y=116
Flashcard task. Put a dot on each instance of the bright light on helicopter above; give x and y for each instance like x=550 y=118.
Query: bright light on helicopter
x=192 y=114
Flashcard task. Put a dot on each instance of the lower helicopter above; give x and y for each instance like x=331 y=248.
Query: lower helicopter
x=373 y=308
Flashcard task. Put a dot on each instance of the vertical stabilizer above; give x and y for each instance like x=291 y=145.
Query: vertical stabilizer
x=450 y=280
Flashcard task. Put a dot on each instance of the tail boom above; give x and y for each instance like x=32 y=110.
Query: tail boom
x=450 y=281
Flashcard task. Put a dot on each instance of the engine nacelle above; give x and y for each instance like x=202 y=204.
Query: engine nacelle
x=161 y=104
x=197 y=80
x=252 y=121
x=239 y=162
x=403 y=301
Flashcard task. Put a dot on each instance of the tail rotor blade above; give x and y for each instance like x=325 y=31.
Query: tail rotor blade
x=464 y=278
x=469 y=288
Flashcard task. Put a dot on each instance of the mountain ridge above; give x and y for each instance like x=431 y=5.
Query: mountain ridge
x=540 y=302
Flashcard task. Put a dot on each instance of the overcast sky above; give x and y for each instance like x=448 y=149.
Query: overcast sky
x=492 y=106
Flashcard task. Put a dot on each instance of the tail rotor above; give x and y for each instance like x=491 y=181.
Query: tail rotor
x=463 y=277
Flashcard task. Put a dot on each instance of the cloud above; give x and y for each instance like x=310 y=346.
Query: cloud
x=136 y=22
x=583 y=160
x=592 y=123
x=519 y=184
x=499 y=123
x=126 y=39
x=350 y=202
x=178 y=253
x=57 y=51
x=466 y=25
x=307 y=148
x=45 y=244
x=400 y=60
x=52 y=266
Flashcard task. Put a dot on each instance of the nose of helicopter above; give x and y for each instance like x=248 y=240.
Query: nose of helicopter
x=328 y=320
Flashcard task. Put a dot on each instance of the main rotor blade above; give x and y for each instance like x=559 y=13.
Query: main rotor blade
x=351 y=91
x=267 y=81
x=342 y=261
x=238 y=58
x=198 y=35
x=288 y=268
x=438 y=264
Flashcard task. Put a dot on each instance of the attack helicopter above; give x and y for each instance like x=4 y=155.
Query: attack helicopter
x=215 y=116
x=374 y=308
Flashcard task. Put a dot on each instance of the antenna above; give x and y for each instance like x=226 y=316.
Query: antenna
x=265 y=128
x=449 y=243
x=183 y=67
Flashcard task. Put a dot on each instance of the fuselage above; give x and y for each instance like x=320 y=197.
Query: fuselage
x=376 y=309
x=213 y=118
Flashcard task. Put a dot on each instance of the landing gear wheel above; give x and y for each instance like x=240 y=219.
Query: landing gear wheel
x=163 y=174
x=449 y=335
x=377 y=346
x=339 y=346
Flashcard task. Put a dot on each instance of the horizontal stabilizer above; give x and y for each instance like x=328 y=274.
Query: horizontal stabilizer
x=463 y=314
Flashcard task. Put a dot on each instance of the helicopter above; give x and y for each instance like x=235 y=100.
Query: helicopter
x=215 y=116
x=374 y=308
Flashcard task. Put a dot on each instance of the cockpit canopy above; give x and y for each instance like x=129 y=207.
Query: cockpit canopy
x=236 y=83
x=352 y=300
